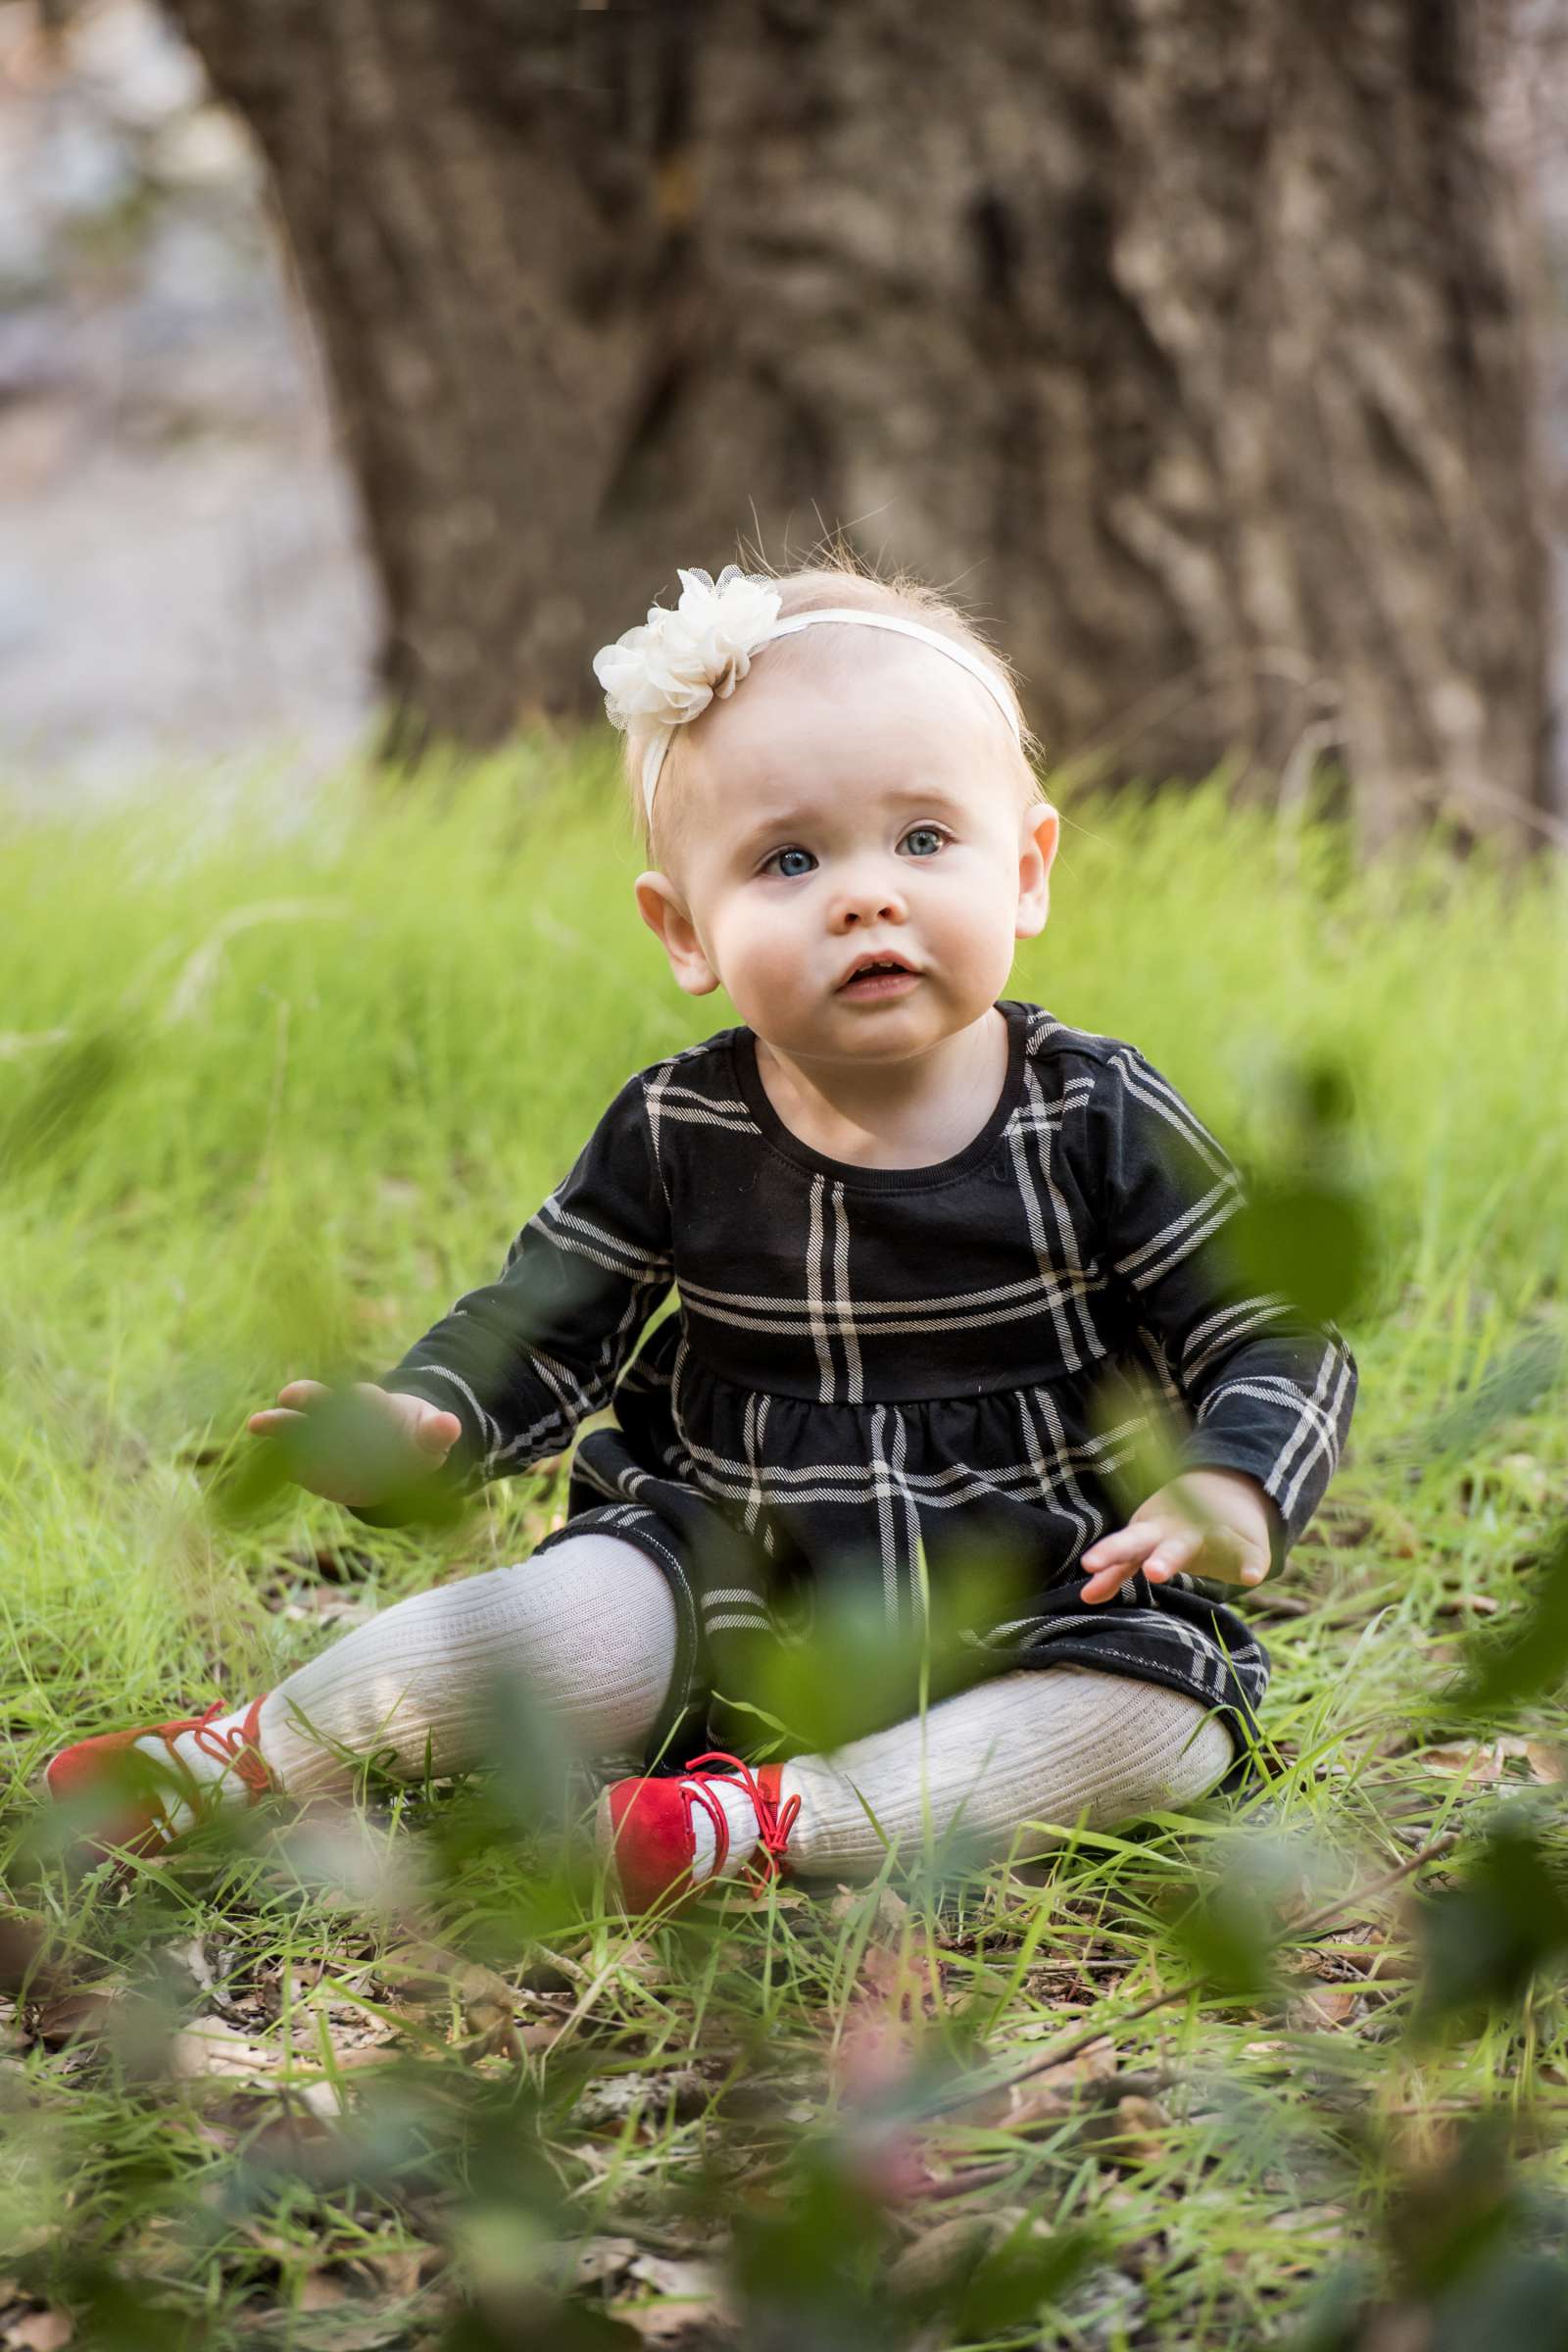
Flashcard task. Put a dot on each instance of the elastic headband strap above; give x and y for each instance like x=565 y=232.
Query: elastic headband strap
x=660 y=742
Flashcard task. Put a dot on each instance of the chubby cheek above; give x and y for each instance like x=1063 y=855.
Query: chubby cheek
x=971 y=931
x=761 y=961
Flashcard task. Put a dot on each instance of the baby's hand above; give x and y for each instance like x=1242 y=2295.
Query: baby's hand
x=357 y=1445
x=1215 y=1522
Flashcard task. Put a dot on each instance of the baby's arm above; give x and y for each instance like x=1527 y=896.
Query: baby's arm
x=1270 y=1392
x=503 y=1379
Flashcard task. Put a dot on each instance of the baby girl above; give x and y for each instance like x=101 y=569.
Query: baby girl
x=941 y=1267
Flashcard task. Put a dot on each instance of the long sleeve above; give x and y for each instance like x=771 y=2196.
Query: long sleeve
x=528 y=1357
x=1268 y=1392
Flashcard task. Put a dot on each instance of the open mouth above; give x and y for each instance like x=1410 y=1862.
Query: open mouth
x=878 y=976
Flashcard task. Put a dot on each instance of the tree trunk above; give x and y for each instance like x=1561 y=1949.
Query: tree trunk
x=1187 y=338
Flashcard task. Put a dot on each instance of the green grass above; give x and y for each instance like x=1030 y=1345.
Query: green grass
x=272 y=1091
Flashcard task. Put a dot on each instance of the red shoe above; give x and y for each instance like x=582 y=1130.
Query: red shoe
x=648 y=1835
x=128 y=1795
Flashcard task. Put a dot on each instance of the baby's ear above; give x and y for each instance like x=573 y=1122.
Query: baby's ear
x=663 y=911
x=1037 y=854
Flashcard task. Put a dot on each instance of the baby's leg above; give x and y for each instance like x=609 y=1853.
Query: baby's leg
x=1048 y=1746
x=589 y=1627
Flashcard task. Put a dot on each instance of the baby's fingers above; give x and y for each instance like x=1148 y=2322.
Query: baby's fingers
x=1176 y=1549
x=298 y=1394
x=435 y=1432
x=1231 y=1559
x=1111 y=1558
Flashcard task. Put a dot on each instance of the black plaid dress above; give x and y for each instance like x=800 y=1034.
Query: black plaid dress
x=887 y=1374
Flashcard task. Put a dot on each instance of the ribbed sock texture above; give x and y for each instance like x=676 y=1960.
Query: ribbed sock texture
x=1004 y=1764
x=590 y=1628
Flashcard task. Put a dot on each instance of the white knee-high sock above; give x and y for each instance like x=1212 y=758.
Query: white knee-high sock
x=590 y=1626
x=1001 y=1765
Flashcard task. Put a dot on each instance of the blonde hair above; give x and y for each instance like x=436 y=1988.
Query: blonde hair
x=837 y=577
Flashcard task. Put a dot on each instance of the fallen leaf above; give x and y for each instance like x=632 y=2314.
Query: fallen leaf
x=398 y=2269
x=906 y=1983
x=366 y=2053
x=541 y=2036
x=1488 y=1760
x=1321 y=2007
x=40 y=2332
x=688 y=2305
x=1042 y=2097
x=892 y=1914
x=322 y=2100
x=897 y=1992
x=321 y=2290
x=873 y=2054
x=1096 y=2064
x=191 y=1959
x=427 y=1973
x=586 y=2262
x=291 y=2140
x=24 y=1949
x=1131 y=2132
x=488 y=2001
x=214 y=2048
x=1374 y=1963
x=327 y=1610
x=613 y=2097
x=72 y=2017
x=695 y=2277
x=639 y=1958
x=1480 y=1763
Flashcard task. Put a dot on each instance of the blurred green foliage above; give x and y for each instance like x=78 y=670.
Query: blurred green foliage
x=1308 y=1228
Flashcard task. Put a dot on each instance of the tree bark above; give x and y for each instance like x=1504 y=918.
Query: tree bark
x=1187 y=339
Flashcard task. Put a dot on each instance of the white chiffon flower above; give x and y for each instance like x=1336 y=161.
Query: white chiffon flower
x=667 y=670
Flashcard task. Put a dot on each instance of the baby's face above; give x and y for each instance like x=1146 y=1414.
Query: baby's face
x=854 y=865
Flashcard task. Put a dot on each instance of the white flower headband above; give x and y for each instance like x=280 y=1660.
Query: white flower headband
x=665 y=673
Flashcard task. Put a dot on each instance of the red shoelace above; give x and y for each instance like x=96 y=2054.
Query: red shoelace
x=775 y=1821
x=235 y=1746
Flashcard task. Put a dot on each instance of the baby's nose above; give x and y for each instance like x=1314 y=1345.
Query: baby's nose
x=870 y=898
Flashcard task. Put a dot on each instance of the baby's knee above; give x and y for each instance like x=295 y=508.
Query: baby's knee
x=1140 y=1747
x=1192 y=1753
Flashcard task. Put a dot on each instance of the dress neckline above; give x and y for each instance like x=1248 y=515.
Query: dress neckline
x=852 y=1174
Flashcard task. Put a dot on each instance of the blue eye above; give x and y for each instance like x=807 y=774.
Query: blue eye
x=924 y=840
x=789 y=862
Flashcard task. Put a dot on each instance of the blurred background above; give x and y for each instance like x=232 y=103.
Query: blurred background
x=363 y=368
